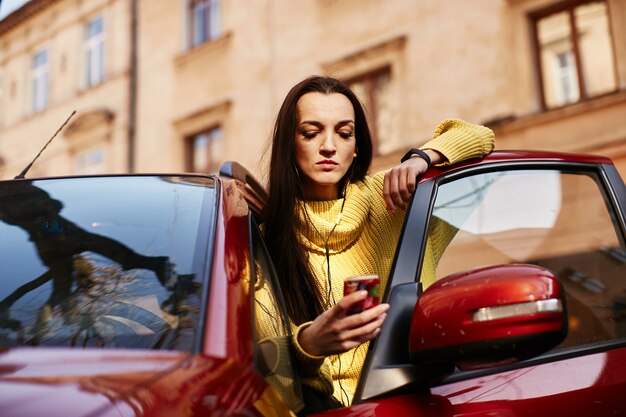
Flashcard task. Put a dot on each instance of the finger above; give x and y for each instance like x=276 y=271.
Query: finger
x=361 y=319
x=363 y=333
x=411 y=182
x=402 y=180
x=417 y=167
x=386 y=196
x=394 y=195
x=403 y=184
x=343 y=306
x=351 y=344
x=338 y=337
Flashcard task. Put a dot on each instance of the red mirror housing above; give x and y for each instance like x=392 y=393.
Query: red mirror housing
x=481 y=317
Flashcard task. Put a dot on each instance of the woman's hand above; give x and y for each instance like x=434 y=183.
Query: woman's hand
x=400 y=182
x=334 y=331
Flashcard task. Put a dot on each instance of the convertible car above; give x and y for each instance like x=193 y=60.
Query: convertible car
x=137 y=295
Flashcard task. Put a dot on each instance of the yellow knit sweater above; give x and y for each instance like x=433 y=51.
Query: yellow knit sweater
x=364 y=242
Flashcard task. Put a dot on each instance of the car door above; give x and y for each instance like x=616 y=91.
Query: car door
x=268 y=323
x=566 y=217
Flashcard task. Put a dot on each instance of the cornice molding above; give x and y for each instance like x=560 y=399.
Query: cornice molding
x=28 y=10
x=89 y=120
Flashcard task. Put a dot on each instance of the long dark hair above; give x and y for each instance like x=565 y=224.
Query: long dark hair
x=303 y=295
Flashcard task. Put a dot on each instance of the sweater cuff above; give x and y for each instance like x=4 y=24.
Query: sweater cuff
x=307 y=364
x=458 y=140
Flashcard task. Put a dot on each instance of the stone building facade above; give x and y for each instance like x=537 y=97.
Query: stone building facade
x=183 y=85
x=56 y=57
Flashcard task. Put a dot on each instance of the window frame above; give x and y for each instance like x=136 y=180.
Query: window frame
x=40 y=80
x=368 y=79
x=212 y=164
x=213 y=12
x=569 y=7
x=94 y=53
x=83 y=161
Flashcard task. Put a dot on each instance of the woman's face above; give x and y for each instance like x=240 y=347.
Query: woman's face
x=324 y=142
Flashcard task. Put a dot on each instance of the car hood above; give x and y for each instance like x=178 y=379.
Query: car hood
x=97 y=383
x=69 y=382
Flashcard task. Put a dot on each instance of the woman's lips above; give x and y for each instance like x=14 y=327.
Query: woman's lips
x=327 y=164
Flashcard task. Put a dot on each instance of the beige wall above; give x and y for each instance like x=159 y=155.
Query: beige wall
x=447 y=59
x=60 y=28
x=241 y=78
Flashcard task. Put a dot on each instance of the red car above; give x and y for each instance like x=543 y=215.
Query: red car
x=136 y=295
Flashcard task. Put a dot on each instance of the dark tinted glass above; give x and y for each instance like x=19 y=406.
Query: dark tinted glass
x=103 y=261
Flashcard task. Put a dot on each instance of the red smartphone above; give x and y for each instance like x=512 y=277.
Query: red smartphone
x=370 y=283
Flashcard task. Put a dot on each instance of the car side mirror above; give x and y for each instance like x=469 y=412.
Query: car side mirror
x=488 y=316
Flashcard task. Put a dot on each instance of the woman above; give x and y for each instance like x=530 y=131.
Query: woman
x=326 y=220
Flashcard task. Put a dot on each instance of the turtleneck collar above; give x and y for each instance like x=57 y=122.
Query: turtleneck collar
x=316 y=220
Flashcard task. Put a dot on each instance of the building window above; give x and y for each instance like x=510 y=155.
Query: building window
x=94 y=51
x=203 y=151
x=374 y=91
x=90 y=161
x=567 y=77
x=575 y=52
x=205 y=21
x=39 y=77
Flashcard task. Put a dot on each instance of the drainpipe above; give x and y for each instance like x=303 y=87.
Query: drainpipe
x=132 y=86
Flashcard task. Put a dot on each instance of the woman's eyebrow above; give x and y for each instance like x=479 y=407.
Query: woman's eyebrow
x=319 y=124
x=311 y=122
x=345 y=122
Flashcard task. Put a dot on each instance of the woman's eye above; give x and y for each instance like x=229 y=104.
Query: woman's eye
x=346 y=135
x=309 y=134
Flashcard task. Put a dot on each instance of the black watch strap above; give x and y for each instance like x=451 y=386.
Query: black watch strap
x=416 y=151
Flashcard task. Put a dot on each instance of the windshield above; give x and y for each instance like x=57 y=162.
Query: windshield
x=104 y=261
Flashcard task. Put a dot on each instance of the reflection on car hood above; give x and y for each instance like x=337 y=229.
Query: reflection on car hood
x=103 y=383
x=67 y=382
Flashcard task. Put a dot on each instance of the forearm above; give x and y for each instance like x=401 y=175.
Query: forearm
x=435 y=157
x=456 y=140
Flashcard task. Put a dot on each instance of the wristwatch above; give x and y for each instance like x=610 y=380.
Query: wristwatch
x=416 y=151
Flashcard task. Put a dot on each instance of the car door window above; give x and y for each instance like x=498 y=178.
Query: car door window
x=107 y=262
x=273 y=333
x=558 y=220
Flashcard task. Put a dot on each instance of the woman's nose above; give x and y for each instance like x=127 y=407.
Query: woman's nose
x=328 y=145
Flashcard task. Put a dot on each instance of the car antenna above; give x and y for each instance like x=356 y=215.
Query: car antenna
x=23 y=173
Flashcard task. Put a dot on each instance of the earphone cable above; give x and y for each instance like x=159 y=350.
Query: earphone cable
x=326 y=248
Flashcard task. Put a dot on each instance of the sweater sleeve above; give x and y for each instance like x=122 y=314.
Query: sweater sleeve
x=459 y=140
x=314 y=371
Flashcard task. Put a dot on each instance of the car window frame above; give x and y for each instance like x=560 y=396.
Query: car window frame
x=208 y=264
x=403 y=286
